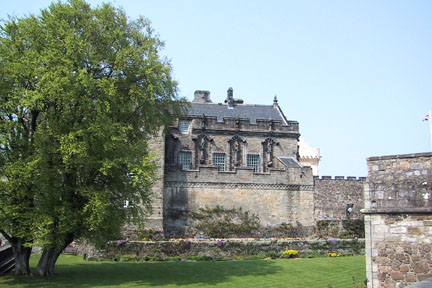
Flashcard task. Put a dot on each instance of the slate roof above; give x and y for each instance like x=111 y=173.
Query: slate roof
x=252 y=112
x=290 y=162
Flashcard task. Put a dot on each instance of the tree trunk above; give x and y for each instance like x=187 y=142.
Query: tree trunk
x=49 y=258
x=21 y=254
x=47 y=262
x=22 y=257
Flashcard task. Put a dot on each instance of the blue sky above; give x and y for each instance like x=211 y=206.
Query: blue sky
x=357 y=75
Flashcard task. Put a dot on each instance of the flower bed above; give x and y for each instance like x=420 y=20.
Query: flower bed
x=184 y=248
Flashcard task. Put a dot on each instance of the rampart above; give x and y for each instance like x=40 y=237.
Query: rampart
x=276 y=197
x=333 y=195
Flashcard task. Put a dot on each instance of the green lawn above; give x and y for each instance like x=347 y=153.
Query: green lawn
x=72 y=271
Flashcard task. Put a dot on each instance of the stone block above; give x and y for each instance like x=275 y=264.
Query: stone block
x=410 y=277
x=414 y=231
x=424 y=277
x=398 y=230
x=415 y=258
x=381 y=229
x=400 y=257
x=404 y=268
x=413 y=223
x=396 y=275
x=418 y=268
x=382 y=276
x=405 y=238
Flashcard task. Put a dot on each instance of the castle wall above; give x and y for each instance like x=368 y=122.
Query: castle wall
x=331 y=196
x=398 y=219
x=157 y=147
x=276 y=197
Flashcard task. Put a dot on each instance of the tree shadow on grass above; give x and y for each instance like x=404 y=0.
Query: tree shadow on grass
x=94 y=274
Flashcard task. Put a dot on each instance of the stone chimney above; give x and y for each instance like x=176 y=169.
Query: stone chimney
x=230 y=94
x=202 y=96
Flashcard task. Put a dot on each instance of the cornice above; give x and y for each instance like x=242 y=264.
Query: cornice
x=246 y=133
x=262 y=186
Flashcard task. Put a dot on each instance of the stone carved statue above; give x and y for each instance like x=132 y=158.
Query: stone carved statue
x=202 y=144
x=236 y=151
x=268 y=148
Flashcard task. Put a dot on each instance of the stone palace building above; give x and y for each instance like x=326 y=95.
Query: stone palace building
x=238 y=155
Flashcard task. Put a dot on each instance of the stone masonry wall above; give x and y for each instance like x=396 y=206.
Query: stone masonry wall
x=157 y=147
x=401 y=249
x=276 y=197
x=398 y=219
x=221 y=248
x=331 y=197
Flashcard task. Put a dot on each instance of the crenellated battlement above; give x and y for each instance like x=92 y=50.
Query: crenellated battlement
x=340 y=178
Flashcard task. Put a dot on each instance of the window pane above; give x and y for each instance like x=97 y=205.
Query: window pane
x=219 y=161
x=253 y=161
x=184 y=126
x=184 y=159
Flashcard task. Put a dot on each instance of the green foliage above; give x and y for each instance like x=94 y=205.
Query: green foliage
x=219 y=222
x=81 y=91
x=353 y=228
x=340 y=229
x=273 y=255
x=199 y=258
x=251 y=257
x=148 y=234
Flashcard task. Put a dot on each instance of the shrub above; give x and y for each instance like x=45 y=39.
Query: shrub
x=199 y=258
x=273 y=255
x=156 y=257
x=290 y=253
x=219 y=222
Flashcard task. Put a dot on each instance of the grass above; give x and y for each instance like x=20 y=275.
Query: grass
x=72 y=271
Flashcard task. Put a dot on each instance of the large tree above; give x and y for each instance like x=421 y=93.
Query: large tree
x=82 y=90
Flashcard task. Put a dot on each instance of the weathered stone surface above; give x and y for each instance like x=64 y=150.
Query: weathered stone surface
x=411 y=277
x=276 y=192
x=418 y=268
x=220 y=248
x=332 y=195
x=424 y=277
x=394 y=200
x=396 y=276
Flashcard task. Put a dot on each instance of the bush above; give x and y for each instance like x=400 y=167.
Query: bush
x=199 y=258
x=273 y=255
x=219 y=222
x=290 y=253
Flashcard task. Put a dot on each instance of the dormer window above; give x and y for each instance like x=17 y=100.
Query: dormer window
x=184 y=126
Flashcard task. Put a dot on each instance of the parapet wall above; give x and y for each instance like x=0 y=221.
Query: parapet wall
x=331 y=196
